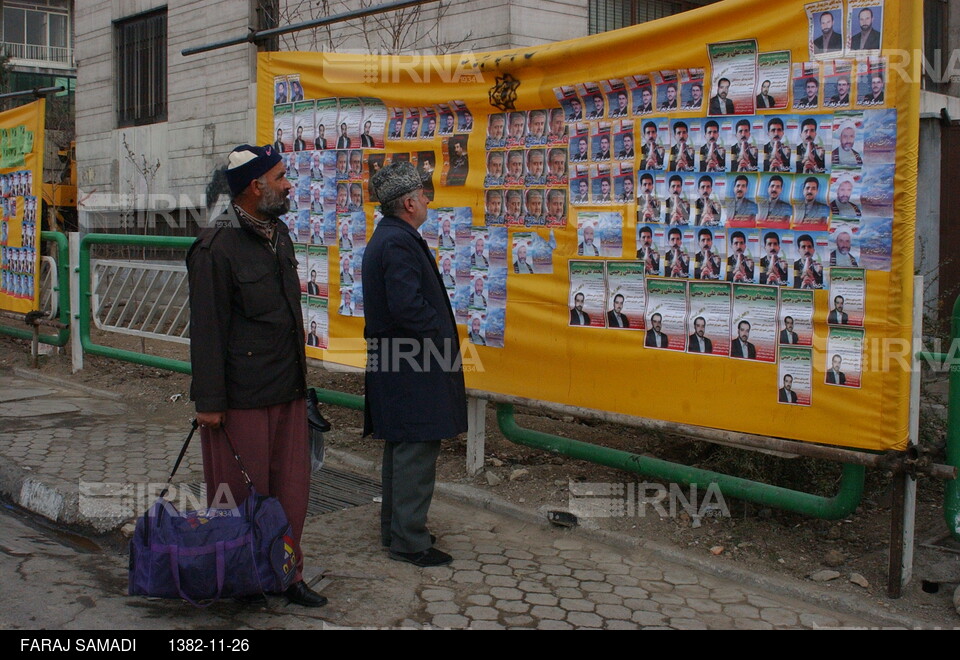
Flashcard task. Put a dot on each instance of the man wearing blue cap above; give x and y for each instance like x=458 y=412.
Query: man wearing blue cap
x=247 y=348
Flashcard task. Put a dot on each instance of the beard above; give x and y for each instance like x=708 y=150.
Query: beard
x=273 y=203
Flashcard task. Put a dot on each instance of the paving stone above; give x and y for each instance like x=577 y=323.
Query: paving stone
x=460 y=564
x=614 y=624
x=467 y=577
x=479 y=599
x=656 y=587
x=594 y=587
x=568 y=592
x=612 y=569
x=716 y=621
x=751 y=624
x=622 y=580
x=648 y=618
x=646 y=573
x=601 y=598
x=441 y=573
x=584 y=620
x=727 y=595
x=454 y=538
x=691 y=591
x=506 y=593
x=542 y=599
x=687 y=624
x=496 y=569
x=551 y=624
x=567 y=544
x=486 y=625
x=630 y=592
x=544 y=551
x=482 y=613
x=500 y=581
x=437 y=594
x=741 y=611
x=678 y=612
x=533 y=587
x=576 y=555
x=547 y=612
x=779 y=616
x=668 y=599
x=520 y=621
x=704 y=606
x=641 y=605
x=593 y=576
x=442 y=607
x=517 y=554
x=488 y=549
x=605 y=557
x=512 y=606
x=561 y=581
x=521 y=564
x=577 y=604
x=450 y=621
x=492 y=559
x=614 y=612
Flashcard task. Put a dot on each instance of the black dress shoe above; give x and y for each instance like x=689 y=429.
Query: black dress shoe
x=424 y=559
x=433 y=539
x=314 y=418
x=299 y=593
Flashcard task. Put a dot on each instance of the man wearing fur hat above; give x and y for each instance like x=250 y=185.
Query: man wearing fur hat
x=415 y=394
x=247 y=348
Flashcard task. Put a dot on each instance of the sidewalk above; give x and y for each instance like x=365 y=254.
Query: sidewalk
x=511 y=570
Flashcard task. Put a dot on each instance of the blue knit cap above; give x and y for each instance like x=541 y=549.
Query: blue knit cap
x=247 y=163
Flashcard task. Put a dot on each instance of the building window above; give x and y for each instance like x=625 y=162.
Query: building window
x=936 y=78
x=605 y=15
x=142 y=69
x=38 y=31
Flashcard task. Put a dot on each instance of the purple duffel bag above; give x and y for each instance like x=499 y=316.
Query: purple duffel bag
x=211 y=554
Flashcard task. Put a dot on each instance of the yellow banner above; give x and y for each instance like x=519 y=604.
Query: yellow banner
x=21 y=176
x=707 y=219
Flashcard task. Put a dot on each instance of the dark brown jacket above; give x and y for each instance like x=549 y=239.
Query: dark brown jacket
x=246 y=325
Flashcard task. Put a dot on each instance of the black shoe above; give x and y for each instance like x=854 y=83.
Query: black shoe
x=253 y=600
x=424 y=559
x=433 y=540
x=299 y=593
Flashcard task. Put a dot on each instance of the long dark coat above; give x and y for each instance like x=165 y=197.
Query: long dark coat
x=414 y=379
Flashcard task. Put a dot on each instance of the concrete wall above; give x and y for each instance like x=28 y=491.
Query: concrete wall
x=480 y=25
x=209 y=100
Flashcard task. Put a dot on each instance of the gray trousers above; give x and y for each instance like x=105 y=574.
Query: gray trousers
x=408 y=474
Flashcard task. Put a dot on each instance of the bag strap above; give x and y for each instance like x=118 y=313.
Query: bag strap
x=183 y=450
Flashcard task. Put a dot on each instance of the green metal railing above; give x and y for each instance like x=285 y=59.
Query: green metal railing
x=86 y=293
x=829 y=508
x=63 y=297
x=951 y=496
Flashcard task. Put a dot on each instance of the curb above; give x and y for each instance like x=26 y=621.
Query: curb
x=52 y=380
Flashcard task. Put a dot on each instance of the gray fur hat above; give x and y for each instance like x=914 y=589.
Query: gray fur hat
x=395 y=181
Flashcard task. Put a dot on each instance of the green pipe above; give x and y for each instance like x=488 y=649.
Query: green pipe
x=833 y=508
x=951 y=494
x=342 y=399
x=63 y=278
x=85 y=294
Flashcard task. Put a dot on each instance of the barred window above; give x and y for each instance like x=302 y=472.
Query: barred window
x=142 y=69
x=615 y=14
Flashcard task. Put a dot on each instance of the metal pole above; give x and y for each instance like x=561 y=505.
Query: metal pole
x=76 y=345
x=40 y=91
x=253 y=37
